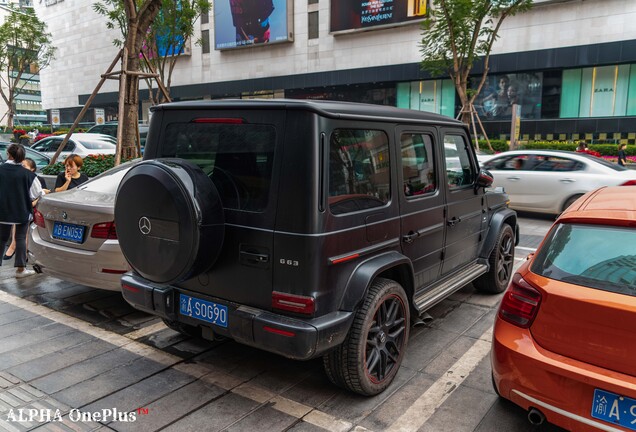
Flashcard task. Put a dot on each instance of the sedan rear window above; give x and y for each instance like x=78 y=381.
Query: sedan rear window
x=594 y=256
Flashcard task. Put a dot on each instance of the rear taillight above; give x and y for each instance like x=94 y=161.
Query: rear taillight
x=293 y=303
x=105 y=230
x=629 y=183
x=38 y=218
x=520 y=303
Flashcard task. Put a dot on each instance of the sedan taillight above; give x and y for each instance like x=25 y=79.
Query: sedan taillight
x=38 y=218
x=520 y=303
x=105 y=230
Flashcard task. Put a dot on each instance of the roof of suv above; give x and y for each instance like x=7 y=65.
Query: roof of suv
x=334 y=109
x=608 y=205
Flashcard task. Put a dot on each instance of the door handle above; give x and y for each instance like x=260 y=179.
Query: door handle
x=408 y=238
x=454 y=221
x=567 y=180
x=255 y=258
x=514 y=178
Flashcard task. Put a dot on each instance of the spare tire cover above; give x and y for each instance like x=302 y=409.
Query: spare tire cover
x=169 y=220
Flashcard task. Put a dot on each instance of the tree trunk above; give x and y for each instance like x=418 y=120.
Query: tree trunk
x=131 y=109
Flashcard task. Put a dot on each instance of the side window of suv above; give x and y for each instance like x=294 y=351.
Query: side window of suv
x=418 y=164
x=359 y=170
x=459 y=170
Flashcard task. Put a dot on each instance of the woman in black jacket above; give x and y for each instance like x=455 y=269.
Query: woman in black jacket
x=18 y=189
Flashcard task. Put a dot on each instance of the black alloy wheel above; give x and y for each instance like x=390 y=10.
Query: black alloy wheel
x=501 y=262
x=371 y=354
x=385 y=338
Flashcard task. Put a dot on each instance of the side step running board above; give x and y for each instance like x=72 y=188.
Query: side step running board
x=445 y=287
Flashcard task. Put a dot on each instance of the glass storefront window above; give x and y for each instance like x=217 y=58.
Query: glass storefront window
x=437 y=96
x=605 y=91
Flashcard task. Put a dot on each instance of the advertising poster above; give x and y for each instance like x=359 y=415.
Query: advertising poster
x=100 y=116
x=55 y=117
x=362 y=14
x=501 y=92
x=241 y=23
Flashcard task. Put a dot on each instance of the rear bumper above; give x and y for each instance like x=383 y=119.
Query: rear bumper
x=77 y=265
x=295 y=338
x=560 y=387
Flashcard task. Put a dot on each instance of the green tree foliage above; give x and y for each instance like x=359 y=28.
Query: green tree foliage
x=459 y=32
x=170 y=33
x=166 y=38
x=137 y=17
x=25 y=49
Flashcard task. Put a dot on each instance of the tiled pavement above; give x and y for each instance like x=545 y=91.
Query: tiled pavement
x=86 y=353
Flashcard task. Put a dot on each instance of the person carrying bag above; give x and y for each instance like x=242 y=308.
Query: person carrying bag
x=18 y=189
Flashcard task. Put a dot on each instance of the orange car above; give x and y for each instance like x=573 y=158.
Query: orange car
x=564 y=342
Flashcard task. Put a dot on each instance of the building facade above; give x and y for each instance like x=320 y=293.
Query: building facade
x=569 y=64
x=28 y=97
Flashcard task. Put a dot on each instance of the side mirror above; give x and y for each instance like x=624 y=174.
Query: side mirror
x=484 y=179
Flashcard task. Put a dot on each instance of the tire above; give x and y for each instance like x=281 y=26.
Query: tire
x=501 y=262
x=170 y=221
x=184 y=329
x=570 y=201
x=371 y=355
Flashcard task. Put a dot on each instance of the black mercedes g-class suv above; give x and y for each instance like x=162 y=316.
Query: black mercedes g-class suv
x=309 y=228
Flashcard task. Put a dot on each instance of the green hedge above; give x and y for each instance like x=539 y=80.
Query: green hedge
x=93 y=165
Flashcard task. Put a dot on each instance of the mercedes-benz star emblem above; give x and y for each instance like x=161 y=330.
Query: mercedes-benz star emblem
x=64 y=215
x=144 y=225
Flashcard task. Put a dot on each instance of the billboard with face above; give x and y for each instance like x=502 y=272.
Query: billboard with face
x=348 y=15
x=242 y=23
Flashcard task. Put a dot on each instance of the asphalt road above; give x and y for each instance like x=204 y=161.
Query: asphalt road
x=105 y=366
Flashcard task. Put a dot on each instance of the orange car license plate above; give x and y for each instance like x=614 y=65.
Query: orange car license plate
x=615 y=409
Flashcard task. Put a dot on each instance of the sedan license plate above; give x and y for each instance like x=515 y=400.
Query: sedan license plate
x=69 y=232
x=203 y=310
x=615 y=409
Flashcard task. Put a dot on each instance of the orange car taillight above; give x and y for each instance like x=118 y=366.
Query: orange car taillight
x=520 y=303
x=105 y=230
x=38 y=218
x=293 y=303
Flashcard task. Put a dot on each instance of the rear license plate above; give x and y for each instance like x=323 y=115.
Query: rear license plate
x=69 y=232
x=615 y=409
x=203 y=310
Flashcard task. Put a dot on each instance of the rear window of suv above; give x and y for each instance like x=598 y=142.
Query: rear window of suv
x=594 y=256
x=237 y=157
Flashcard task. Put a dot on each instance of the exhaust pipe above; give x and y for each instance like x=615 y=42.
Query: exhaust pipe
x=535 y=417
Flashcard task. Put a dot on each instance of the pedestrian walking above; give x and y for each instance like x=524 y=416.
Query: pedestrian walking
x=18 y=189
x=622 y=157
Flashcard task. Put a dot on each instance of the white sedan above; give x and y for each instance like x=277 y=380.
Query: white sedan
x=549 y=181
x=82 y=144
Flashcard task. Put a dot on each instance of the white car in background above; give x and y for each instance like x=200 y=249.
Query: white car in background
x=549 y=181
x=82 y=144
